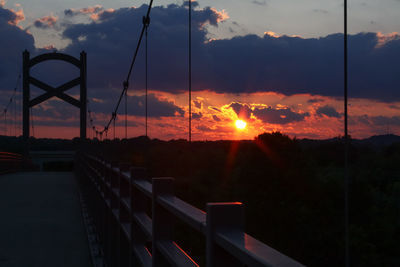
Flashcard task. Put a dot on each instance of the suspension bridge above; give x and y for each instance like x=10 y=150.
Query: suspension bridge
x=108 y=213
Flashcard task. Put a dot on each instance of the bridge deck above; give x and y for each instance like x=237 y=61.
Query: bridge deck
x=41 y=222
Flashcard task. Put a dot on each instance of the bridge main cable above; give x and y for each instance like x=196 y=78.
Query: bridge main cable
x=126 y=82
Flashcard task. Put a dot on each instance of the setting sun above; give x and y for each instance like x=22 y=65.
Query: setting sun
x=240 y=124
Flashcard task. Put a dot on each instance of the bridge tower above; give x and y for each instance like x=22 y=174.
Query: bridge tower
x=28 y=63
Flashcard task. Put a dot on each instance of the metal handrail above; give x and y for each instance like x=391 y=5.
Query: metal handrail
x=121 y=198
x=10 y=162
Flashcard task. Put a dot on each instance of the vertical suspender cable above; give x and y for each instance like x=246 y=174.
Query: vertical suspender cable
x=18 y=116
x=33 y=128
x=126 y=83
x=146 y=63
x=15 y=115
x=20 y=101
x=12 y=126
x=114 y=116
x=12 y=122
x=19 y=107
x=126 y=113
x=5 y=122
x=346 y=140
x=190 y=70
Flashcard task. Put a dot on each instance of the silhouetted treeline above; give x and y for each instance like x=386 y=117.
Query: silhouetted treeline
x=17 y=144
x=292 y=189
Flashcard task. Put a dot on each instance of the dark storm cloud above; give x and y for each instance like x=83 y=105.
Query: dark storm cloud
x=278 y=116
x=156 y=107
x=204 y=128
x=197 y=116
x=197 y=104
x=110 y=43
x=328 y=111
x=384 y=120
x=68 y=12
x=54 y=112
x=242 y=110
x=13 y=42
x=216 y=118
x=376 y=121
x=11 y=16
x=315 y=100
x=267 y=114
x=291 y=65
x=243 y=64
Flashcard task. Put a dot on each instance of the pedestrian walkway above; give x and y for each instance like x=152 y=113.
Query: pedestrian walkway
x=40 y=221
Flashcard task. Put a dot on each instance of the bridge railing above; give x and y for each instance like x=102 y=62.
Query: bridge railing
x=135 y=221
x=10 y=162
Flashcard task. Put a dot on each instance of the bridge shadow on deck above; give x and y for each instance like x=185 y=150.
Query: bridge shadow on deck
x=41 y=223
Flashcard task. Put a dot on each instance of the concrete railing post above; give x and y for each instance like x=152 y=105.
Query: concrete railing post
x=107 y=213
x=124 y=190
x=222 y=217
x=163 y=224
x=121 y=208
x=114 y=223
x=100 y=167
x=124 y=217
x=139 y=205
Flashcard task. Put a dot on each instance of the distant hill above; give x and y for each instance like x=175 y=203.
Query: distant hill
x=17 y=145
x=376 y=141
x=379 y=140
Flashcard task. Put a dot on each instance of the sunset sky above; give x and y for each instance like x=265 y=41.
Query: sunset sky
x=275 y=64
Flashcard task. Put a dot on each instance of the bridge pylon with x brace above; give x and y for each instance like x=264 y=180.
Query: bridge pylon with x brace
x=59 y=91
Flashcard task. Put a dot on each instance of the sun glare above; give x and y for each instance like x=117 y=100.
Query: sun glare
x=240 y=124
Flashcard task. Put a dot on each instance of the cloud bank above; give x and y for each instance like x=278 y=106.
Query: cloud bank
x=245 y=64
x=266 y=114
x=12 y=42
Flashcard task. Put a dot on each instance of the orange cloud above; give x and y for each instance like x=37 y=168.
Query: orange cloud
x=385 y=38
x=46 y=22
x=217 y=120
x=272 y=34
x=103 y=13
x=91 y=9
x=85 y=10
x=49 y=47
x=19 y=16
x=221 y=15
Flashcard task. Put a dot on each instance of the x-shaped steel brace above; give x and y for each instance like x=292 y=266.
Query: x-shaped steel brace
x=58 y=92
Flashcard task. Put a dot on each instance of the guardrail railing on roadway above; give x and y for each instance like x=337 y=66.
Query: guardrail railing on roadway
x=119 y=199
x=10 y=162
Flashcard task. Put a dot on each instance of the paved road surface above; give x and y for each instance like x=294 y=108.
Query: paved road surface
x=40 y=221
